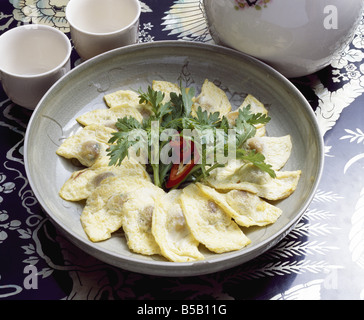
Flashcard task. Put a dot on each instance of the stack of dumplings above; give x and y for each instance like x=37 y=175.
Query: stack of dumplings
x=181 y=224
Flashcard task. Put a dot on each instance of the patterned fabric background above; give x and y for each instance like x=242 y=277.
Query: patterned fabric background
x=322 y=258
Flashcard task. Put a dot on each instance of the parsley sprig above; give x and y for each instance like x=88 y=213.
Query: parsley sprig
x=177 y=114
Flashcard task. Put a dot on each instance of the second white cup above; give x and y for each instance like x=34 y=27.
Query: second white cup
x=98 y=26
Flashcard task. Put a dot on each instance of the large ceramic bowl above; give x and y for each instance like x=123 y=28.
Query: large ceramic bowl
x=295 y=37
x=136 y=67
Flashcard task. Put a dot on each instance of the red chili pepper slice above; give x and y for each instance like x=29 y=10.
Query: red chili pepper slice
x=180 y=171
x=176 y=176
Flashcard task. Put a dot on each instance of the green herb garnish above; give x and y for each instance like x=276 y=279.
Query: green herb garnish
x=197 y=153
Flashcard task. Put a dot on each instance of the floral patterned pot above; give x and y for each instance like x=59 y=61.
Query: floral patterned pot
x=296 y=37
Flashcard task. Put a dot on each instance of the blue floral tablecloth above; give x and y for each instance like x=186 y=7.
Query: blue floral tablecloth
x=322 y=258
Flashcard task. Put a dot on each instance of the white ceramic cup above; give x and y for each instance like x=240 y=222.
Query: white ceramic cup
x=98 y=26
x=32 y=59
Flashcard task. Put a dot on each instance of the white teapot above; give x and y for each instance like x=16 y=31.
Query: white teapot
x=296 y=37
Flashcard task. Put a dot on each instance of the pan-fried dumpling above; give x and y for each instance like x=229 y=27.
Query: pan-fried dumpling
x=108 y=117
x=87 y=145
x=171 y=232
x=212 y=99
x=121 y=98
x=102 y=214
x=276 y=150
x=255 y=107
x=246 y=208
x=237 y=175
x=165 y=87
x=209 y=224
x=137 y=218
x=82 y=182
